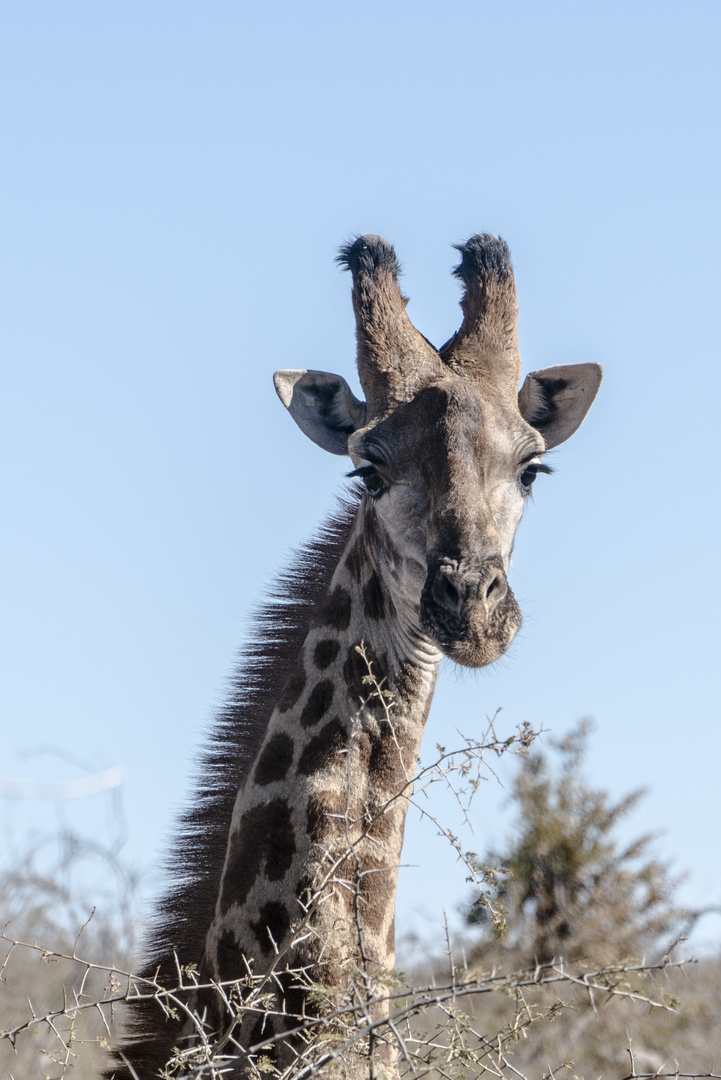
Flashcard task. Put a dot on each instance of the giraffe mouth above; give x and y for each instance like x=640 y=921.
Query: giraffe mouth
x=472 y=615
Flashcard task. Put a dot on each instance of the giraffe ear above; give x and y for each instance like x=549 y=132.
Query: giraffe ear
x=323 y=406
x=555 y=401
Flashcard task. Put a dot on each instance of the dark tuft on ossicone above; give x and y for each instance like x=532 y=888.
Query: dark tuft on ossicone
x=483 y=255
x=367 y=254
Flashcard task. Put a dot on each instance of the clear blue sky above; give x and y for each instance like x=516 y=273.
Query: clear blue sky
x=176 y=178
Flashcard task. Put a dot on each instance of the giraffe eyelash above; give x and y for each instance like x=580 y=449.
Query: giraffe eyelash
x=541 y=467
x=529 y=473
x=364 y=470
x=374 y=484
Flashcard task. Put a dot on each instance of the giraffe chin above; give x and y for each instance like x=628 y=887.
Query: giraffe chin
x=477 y=641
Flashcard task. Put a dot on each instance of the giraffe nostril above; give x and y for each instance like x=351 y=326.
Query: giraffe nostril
x=493 y=585
x=496 y=589
x=451 y=594
x=444 y=591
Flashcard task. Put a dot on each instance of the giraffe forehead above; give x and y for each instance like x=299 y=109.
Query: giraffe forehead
x=451 y=417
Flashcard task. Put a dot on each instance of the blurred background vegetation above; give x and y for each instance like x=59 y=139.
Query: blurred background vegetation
x=570 y=890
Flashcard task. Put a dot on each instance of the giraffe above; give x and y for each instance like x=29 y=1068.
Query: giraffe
x=303 y=793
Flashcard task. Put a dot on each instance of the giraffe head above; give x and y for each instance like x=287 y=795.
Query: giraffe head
x=445 y=444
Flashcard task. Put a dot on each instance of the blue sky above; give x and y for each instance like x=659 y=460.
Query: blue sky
x=176 y=180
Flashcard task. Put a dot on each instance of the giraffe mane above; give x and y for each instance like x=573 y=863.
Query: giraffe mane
x=194 y=866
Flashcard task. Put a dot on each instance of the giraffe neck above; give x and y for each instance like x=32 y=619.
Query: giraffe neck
x=317 y=827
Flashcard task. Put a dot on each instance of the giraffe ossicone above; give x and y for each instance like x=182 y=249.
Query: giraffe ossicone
x=286 y=866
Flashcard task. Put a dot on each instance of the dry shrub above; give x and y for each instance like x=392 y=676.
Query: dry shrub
x=43 y=901
x=457 y=1018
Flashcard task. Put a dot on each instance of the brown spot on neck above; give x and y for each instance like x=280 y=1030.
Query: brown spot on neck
x=293 y=688
x=275 y=760
x=325 y=810
x=325 y=653
x=318 y=703
x=262 y=1029
x=374 y=600
x=355 y=560
x=355 y=671
x=370 y=526
x=228 y=957
x=263 y=840
x=386 y=756
x=380 y=825
x=271 y=926
x=324 y=748
x=376 y=887
x=336 y=610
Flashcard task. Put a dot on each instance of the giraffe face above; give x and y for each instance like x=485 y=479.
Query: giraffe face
x=447 y=475
x=446 y=447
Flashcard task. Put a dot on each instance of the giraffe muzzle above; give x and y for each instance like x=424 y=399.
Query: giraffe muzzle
x=469 y=611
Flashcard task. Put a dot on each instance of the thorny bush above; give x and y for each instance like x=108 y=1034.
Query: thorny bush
x=457 y=1018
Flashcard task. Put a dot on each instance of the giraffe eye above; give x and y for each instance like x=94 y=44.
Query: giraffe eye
x=374 y=485
x=530 y=473
x=527 y=477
